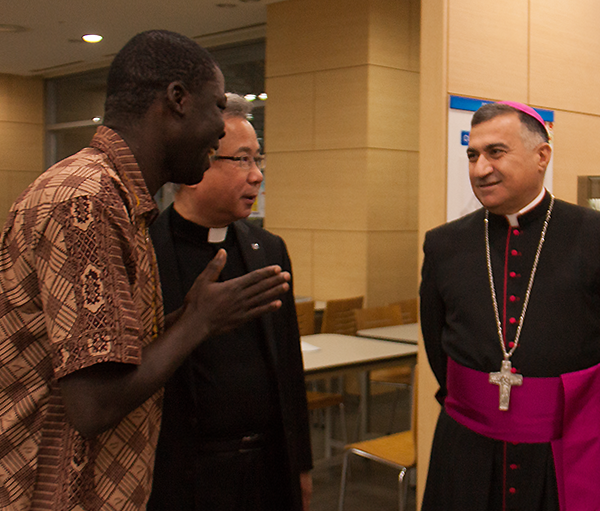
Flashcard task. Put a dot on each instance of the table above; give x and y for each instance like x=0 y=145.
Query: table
x=408 y=333
x=339 y=354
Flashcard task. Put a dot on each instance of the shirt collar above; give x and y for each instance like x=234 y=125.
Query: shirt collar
x=513 y=218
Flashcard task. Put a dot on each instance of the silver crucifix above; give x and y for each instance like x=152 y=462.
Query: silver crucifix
x=505 y=379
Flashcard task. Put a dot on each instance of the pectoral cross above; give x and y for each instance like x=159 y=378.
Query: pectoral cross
x=505 y=379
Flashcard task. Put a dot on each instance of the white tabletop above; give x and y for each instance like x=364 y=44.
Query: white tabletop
x=404 y=333
x=339 y=353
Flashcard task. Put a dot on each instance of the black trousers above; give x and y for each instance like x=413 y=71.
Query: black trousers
x=246 y=476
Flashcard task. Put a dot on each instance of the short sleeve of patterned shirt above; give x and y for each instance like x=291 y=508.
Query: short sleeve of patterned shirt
x=78 y=286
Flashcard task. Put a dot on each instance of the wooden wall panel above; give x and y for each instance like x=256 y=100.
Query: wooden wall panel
x=340 y=264
x=393 y=103
x=21 y=146
x=394 y=34
x=300 y=246
x=290 y=112
x=565 y=55
x=394 y=277
x=433 y=111
x=21 y=99
x=317 y=190
x=341 y=108
x=313 y=35
x=487 y=49
x=576 y=152
x=392 y=190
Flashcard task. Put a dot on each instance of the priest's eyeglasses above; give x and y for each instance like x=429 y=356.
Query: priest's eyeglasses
x=245 y=161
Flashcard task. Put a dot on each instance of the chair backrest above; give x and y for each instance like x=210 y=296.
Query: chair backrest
x=410 y=310
x=306 y=317
x=338 y=316
x=373 y=317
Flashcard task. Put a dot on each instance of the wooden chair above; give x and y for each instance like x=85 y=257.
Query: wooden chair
x=325 y=401
x=338 y=316
x=373 y=317
x=399 y=377
x=397 y=451
x=306 y=317
x=410 y=310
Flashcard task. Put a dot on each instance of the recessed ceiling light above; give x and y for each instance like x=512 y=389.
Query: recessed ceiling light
x=92 y=38
x=12 y=28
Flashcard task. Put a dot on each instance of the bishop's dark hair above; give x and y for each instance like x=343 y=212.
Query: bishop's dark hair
x=490 y=110
x=146 y=65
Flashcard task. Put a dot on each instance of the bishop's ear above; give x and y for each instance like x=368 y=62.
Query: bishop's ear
x=544 y=152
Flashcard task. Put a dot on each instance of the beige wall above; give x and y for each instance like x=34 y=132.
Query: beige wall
x=342 y=139
x=21 y=136
x=542 y=52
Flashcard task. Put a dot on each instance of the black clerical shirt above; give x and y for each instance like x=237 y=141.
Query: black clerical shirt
x=232 y=386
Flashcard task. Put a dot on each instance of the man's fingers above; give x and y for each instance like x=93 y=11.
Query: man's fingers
x=260 y=275
x=215 y=266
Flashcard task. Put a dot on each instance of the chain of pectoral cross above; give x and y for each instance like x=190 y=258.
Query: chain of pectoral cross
x=507 y=377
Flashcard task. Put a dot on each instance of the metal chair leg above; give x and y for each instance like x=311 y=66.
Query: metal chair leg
x=344 y=478
x=402 y=490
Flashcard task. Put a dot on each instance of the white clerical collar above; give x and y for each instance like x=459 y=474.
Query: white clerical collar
x=217 y=234
x=513 y=219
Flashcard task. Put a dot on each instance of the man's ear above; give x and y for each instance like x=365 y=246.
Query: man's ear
x=544 y=152
x=177 y=96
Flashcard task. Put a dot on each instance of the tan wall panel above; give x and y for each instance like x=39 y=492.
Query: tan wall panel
x=319 y=35
x=289 y=118
x=394 y=277
x=21 y=146
x=341 y=108
x=340 y=264
x=392 y=190
x=565 y=55
x=576 y=152
x=12 y=183
x=433 y=137
x=393 y=102
x=300 y=247
x=21 y=99
x=317 y=190
x=487 y=49
x=394 y=33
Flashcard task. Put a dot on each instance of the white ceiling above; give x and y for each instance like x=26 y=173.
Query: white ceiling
x=51 y=44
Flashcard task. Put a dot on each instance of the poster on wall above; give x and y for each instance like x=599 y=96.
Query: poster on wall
x=461 y=200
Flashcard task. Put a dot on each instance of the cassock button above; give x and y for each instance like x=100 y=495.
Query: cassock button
x=512 y=274
x=512 y=321
x=516 y=232
x=512 y=491
x=514 y=252
x=513 y=298
x=514 y=466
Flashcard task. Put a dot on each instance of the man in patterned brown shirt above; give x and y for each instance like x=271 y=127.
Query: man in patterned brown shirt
x=83 y=351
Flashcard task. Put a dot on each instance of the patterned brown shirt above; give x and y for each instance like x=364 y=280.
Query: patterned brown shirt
x=78 y=286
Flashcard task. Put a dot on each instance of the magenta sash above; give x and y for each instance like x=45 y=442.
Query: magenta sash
x=564 y=411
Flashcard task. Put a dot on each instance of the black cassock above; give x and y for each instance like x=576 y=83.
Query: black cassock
x=560 y=333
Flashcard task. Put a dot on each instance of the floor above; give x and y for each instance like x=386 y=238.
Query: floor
x=370 y=486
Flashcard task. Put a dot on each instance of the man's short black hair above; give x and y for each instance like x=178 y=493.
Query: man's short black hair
x=147 y=64
x=490 y=110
